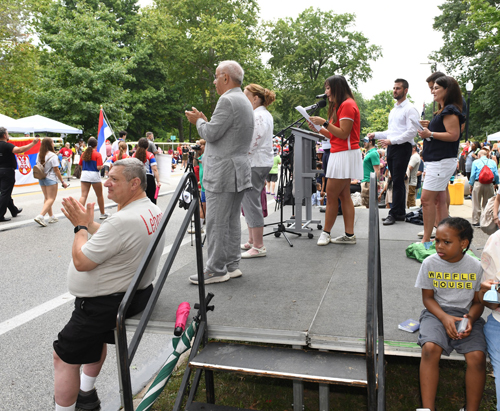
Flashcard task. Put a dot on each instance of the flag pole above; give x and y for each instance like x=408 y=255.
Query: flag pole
x=108 y=123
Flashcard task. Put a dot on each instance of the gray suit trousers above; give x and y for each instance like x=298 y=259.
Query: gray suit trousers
x=223 y=231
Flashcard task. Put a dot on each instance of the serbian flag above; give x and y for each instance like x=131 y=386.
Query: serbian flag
x=25 y=162
x=103 y=133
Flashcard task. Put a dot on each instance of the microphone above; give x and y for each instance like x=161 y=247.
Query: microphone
x=323 y=96
x=319 y=104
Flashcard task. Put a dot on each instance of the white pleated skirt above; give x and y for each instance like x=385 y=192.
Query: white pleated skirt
x=345 y=164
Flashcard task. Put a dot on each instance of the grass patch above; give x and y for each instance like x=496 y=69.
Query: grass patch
x=402 y=390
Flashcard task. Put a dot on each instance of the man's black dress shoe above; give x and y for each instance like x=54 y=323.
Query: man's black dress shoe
x=398 y=218
x=4 y=219
x=19 y=210
x=390 y=220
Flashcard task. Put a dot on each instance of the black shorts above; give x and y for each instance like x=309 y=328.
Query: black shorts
x=272 y=178
x=92 y=325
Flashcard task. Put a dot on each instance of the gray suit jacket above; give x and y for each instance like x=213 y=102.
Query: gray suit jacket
x=226 y=167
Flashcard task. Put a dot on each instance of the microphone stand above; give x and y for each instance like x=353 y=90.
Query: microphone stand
x=281 y=228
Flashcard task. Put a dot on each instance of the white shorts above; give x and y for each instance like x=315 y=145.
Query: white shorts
x=438 y=174
x=345 y=164
x=90 y=177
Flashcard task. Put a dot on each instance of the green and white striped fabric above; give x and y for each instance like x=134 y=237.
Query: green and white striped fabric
x=181 y=344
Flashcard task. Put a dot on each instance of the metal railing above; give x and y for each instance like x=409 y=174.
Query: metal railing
x=375 y=363
x=125 y=351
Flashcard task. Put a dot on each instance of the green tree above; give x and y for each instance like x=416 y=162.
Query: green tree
x=84 y=64
x=191 y=37
x=363 y=109
x=19 y=72
x=18 y=57
x=317 y=44
x=376 y=112
x=378 y=120
x=383 y=100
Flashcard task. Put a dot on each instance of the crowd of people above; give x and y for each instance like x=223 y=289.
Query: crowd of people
x=89 y=167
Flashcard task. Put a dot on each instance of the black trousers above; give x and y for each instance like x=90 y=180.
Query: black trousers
x=7 y=181
x=151 y=188
x=398 y=157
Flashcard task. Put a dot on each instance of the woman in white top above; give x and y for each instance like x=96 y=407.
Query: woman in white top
x=261 y=159
x=48 y=158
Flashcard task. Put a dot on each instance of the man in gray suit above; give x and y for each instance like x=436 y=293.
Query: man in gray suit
x=226 y=171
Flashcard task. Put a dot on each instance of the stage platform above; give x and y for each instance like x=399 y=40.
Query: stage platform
x=306 y=295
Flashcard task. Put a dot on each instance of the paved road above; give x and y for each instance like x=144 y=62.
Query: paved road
x=36 y=305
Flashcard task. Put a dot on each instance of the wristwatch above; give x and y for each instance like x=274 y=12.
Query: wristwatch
x=326 y=124
x=80 y=227
x=432 y=134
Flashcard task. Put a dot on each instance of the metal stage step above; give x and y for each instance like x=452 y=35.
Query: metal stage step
x=201 y=406
x=286 y=363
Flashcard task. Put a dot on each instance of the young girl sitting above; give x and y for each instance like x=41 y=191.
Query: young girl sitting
x=450 y=281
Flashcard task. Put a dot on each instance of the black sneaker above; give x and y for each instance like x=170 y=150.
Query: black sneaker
x=88 y=400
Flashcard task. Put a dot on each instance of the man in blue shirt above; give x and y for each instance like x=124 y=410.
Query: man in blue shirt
x=481 y=193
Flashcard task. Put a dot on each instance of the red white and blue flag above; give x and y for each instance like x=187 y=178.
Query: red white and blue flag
x=25 y=162
x=103 y=133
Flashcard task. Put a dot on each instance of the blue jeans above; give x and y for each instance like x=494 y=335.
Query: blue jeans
x=492 y=333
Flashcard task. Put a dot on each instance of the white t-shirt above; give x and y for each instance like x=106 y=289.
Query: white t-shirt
x=118 y=247
x=414 y=162
x=51 y=162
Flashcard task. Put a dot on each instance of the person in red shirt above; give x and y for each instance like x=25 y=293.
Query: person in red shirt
x=109 y=152
x=345 y=163
x=67 y=155
x=91 y=163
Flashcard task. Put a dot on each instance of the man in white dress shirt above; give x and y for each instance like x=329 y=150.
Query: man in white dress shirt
x=398 y=139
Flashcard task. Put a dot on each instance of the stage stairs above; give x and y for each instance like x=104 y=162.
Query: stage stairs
x=299 y=365
x=302 y=364
x=297 y=362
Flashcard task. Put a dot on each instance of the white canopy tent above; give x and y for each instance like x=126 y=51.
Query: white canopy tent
x=13 y=126
x=494 y=137
x=37 y=124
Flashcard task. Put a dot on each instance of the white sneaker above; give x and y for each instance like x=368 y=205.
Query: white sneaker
x=344 y=240
x=324 y=239
x=104 y=216
x=41 y=220
x=433 y=234
x=53 y=219
x=235 y=274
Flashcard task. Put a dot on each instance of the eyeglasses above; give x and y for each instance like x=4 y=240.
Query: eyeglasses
x=220 y=74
